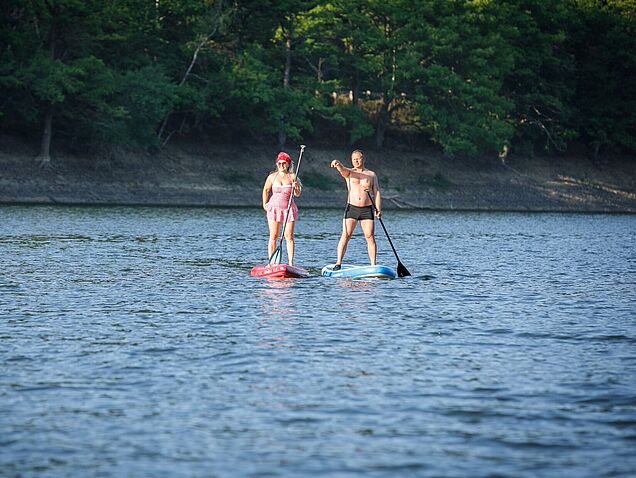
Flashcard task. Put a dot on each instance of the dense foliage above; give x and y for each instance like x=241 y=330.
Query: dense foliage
x=466 y=75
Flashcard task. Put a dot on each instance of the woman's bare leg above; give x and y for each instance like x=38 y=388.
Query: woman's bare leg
x=289 y=239
x=274 y=227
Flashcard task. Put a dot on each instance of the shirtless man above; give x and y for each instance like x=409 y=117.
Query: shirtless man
x=359 y=207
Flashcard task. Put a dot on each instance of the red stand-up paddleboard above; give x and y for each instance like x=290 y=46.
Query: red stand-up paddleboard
x=278 y=271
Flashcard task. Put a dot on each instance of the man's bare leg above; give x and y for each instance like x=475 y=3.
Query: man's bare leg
x=368 y=228
x=348 y=226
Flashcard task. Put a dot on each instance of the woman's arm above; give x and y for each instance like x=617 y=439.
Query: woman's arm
x=297 y=185
x=266 y=190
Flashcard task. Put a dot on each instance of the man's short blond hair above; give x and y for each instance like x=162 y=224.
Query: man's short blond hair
x=357 y=151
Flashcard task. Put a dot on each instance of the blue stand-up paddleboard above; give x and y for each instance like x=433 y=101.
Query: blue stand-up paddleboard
x=360 y=272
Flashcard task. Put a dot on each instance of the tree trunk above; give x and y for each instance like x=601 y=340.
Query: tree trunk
x=355 y=91
x=216 y=24
x=383 y=121
x=181 y=83
x=44 y=158
x=355 y=95
x=287 y=73
x=282 y=136
x=384 y=115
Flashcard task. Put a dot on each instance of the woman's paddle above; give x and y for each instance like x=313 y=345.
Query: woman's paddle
x=276 y=255
x=401 y=270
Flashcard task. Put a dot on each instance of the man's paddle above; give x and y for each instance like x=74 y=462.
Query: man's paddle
x=401 y=270
x=276 y=255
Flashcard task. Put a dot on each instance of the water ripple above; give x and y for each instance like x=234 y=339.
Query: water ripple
x=135 y=343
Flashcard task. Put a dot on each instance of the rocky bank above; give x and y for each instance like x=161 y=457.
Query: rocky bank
x=233 y=175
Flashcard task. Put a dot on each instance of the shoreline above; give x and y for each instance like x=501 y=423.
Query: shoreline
x=619 y=212
x=231 y=176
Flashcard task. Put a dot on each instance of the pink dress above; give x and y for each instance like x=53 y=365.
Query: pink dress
x=277 y=204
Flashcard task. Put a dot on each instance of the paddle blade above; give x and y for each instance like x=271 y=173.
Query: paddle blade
x=275 y=258
x=402 y=271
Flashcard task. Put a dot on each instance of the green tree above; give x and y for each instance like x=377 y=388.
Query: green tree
x=458 y=60
x=468 y=75
x=52 y=48
x=603 y=41
x=201 y=79
x=269 y=94
x=540 y=80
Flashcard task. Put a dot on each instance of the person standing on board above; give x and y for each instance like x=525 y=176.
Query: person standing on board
x=359 y=207
x=281 y=184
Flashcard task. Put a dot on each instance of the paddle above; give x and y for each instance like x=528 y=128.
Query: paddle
x=401 y=270
x=276 y=255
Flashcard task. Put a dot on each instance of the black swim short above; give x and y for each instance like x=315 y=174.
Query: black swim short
x=359 y=213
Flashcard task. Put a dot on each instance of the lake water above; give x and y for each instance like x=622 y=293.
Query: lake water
x=133 y=342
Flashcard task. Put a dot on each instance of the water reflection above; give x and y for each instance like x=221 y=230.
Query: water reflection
x=276 y=311
x=274 y=297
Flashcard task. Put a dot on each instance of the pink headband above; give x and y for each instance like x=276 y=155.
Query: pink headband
x=283 y=156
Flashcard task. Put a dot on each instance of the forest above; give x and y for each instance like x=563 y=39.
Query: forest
x=468 y=77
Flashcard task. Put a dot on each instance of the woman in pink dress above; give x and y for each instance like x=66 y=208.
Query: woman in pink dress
x=281 y=183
